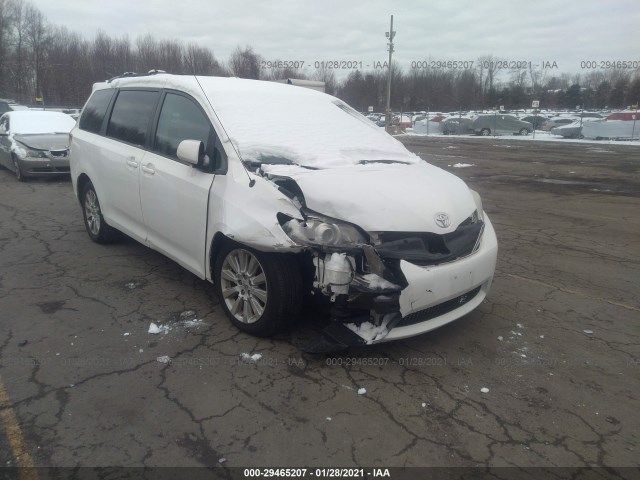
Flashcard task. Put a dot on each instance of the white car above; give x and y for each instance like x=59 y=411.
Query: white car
x=271 y=210
x=619 y=125
x=35 y=143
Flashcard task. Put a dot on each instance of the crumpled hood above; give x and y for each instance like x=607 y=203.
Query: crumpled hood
x=379 y=197
x=54 y=141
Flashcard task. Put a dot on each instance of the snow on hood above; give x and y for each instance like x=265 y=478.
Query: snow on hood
x=297 y=124
x=384 y=197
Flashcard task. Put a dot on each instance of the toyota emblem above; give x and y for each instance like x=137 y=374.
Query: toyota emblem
x=442 y=219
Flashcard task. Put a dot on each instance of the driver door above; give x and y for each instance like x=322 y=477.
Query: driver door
x=174 y=195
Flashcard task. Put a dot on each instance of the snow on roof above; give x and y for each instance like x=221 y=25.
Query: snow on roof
x=38 y=122
x=301 y=125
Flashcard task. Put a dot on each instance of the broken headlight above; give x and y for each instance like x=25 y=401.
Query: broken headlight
x=322 y=231
x=24 y=152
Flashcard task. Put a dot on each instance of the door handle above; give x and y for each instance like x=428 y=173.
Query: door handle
x=148 y=168
x=131 y=161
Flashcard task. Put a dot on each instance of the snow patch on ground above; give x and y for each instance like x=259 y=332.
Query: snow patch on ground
x=362 y=391
x=155 y=329
x=164 y=359
x=370 y=332
x=248 y=357
x=463 y=165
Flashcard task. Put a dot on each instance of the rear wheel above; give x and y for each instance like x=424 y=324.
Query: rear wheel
x=260 y=292
x=485 y=132
x=524 y=131
x=97 y=227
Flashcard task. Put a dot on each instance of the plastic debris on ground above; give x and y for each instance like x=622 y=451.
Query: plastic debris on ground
x=164 y=359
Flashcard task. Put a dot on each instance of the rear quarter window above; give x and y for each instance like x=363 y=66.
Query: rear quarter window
x=131 y=115
x=94 y=111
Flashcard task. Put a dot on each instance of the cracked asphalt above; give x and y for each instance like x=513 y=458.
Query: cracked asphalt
x=556 y=344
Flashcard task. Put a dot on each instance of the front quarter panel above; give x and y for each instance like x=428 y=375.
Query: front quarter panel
x=248 y=215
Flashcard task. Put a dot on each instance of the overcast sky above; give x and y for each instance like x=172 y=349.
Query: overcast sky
x=566 y=32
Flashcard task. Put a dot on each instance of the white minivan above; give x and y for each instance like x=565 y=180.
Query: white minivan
x=275 y=192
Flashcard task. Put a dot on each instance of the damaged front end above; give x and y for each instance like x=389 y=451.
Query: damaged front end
x=359 y=273
x=363 y=293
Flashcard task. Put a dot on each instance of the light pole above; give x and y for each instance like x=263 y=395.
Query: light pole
x=390 y=35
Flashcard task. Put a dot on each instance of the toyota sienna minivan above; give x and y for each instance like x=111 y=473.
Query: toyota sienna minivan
x=214 y=173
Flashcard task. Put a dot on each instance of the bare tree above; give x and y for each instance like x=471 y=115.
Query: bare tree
x=200 y=61
x=245 y=63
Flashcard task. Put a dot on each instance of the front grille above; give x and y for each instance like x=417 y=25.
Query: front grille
x=59 y=153
x=440 y=309
x=427 y=248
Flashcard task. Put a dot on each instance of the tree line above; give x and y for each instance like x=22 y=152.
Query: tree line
x=40 y=60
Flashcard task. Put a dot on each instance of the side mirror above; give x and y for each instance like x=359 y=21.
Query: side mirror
x=192 y=152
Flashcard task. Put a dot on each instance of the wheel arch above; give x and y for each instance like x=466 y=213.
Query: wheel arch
x=83 y=179
x=218 y=240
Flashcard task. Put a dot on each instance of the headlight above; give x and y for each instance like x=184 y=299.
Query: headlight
x=318 y=230
x=25 y=152
x=479 y=213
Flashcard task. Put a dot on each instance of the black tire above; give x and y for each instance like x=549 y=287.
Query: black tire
x=19 y=176
x=485 y=132
x=282 y=284
x=98 y=229
x=524 y=131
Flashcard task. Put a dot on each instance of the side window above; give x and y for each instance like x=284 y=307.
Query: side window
x=131 y=115
x=181 y=119
x=94 y=111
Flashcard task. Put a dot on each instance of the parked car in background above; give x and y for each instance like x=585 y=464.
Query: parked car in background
x=456 y=125
x=500 y=124
x=570 y=130
x=619 y=125
x=10 y=106
x=537 y=121
x=200 y=169
x=558 y=121
x=35 y=143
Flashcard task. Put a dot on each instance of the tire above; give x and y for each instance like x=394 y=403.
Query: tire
x=97 y=228
x=19 y=176
x=485 y=132
x=261 y=293
x=524 y=131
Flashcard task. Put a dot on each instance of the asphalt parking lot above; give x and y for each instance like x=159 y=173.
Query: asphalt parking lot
x=557 y=342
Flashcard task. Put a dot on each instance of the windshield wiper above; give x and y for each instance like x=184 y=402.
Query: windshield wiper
x=366 y=162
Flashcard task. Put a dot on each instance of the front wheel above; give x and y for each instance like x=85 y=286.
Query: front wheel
x=97 y=227
x=260 y=292
x=19 y=176
x=524 y=131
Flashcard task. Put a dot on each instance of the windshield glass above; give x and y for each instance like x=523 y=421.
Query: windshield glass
x=267 y=120
x=33 y=122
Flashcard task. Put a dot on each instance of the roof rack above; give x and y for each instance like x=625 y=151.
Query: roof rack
x=134 y=74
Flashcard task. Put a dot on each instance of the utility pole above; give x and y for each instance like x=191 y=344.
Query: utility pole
x=390 y=35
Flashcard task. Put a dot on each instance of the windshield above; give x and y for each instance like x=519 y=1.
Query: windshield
x=38 y=123
x=267 y=121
